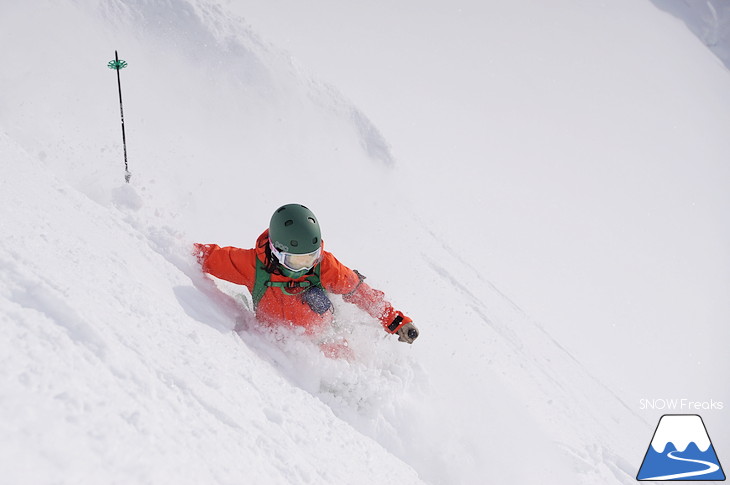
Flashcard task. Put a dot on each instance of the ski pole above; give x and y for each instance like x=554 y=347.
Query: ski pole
x=118 y=65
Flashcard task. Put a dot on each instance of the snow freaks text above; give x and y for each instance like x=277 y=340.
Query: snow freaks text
x=680 y=405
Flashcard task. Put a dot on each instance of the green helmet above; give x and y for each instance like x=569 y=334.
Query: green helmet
x=294 y=229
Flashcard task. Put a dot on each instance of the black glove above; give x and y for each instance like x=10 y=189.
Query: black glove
x=407 y=333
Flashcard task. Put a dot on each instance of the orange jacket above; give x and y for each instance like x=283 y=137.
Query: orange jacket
x=276 y=307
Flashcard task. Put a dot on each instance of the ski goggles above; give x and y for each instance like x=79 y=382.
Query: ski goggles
x=297 y=262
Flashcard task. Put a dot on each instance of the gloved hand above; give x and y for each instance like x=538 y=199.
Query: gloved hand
x=201 y=251
x=407 y=333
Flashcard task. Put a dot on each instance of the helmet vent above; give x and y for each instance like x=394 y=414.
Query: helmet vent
x=311 y=219
x=315 y=240
x=288 y=223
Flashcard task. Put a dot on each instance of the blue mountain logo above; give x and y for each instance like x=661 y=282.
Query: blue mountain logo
x=681 y=450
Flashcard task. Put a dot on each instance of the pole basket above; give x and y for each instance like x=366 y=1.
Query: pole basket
x=114 y=64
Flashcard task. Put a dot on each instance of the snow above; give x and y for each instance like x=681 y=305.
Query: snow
x=544 y=190
x=709 y=21
x=105 y=376
x=681 y=431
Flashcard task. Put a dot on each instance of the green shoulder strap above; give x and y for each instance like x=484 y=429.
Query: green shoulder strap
x=263 y=282
x=259 y=284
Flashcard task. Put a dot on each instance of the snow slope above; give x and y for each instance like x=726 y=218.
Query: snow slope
x=583 y=148
x=107 y=379
x=119 y=359
x=709 y=20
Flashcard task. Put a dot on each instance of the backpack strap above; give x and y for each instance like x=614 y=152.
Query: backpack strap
x=260 y=283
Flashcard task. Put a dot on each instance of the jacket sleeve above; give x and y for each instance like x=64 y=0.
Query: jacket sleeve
x=231 y=264
x=339 y=279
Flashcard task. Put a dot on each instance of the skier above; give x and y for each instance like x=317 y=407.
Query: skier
x=289 y=276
